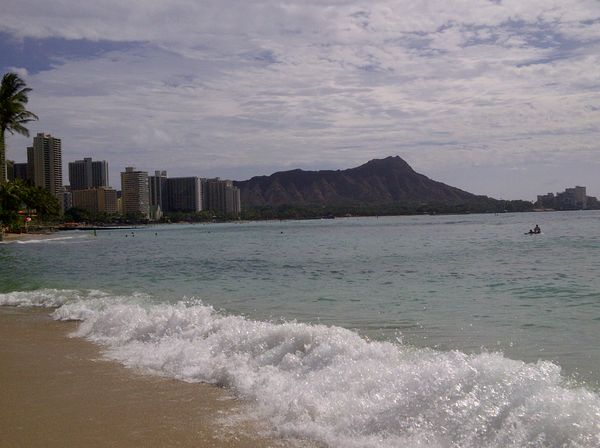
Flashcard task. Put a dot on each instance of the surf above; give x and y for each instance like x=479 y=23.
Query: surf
x=330 y=385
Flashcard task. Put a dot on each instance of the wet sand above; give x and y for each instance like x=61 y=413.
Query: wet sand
x=56 y=391
x=10 y=237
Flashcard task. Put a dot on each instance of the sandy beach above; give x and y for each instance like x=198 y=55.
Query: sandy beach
x=58 y=392
x=9 y=237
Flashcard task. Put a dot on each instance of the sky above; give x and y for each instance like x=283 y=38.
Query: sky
x=497 y=97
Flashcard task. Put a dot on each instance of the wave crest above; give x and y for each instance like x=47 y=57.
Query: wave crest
x=330 y=385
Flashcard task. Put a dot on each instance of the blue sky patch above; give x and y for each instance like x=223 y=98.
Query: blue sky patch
x=37 y=55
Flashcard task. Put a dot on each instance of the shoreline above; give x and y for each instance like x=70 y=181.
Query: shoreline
x=11 y=237
x=58 y=391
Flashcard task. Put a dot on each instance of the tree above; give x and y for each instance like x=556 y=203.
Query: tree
x=11 y=201
x=41 y=200
x=13 y=115
x=18 y=196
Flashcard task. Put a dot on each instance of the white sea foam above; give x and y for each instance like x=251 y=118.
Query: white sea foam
x=330 y=385
x=44 y=240
x=47 y=298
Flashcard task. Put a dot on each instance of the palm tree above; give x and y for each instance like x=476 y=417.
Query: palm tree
x=13 y=115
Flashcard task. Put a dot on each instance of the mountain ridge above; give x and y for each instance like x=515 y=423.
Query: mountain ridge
x=378 y=181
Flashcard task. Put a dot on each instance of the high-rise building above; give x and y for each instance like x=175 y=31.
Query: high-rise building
x=572 y=198
x=87 y=173
x=20 y=171
x=221 y=196
x=44 y=163
x=156 y=185
x=96 y=200
x=65 y=198
x=233 y=202
x=135 y=196
x=183 y=194
x=580 y=195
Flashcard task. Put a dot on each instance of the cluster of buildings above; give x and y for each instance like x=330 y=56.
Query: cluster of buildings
x=153 y=195
x=141 y=194
x=574 y=198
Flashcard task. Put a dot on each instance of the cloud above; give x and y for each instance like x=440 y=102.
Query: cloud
x=203 y=87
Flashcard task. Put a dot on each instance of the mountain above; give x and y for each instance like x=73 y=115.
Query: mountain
x=377 y=182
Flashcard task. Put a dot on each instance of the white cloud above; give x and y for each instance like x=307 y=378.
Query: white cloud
x=223 y=85
x=21 y=71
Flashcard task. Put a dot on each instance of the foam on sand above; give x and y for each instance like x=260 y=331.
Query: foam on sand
x=32 y=238
x=330 y=385
x=56 y=393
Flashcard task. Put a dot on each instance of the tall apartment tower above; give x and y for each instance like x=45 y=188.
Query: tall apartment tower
x=156 y=185
x=20 y=171
x=573 y=198
x=183 y=194
x=233 y=201
x=135 y=196
x=44 y=163
x=221 y=196
x=85 y=174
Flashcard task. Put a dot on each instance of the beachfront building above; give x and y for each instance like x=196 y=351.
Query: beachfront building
x=16 y=171
x=156 y=188
x=192 y=194
x=175 y=194
x=156 y=191
x=183 y=194
x=44 y=163
x=135 y=195
x=546 y=201
x=222 y=197
x=575 y=198
x=20 y=171
x=96 y=200
x=87 y=173
x=65 y=198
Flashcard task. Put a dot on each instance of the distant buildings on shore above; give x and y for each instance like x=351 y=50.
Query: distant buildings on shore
x=44 y=163
x=149 y=197
x=141 y=195
x=86 y=174
x=154 y=195
x=574 y=198
x=134 y=192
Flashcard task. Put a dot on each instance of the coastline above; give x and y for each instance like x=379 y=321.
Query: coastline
x=10 y=237
x=57 y=391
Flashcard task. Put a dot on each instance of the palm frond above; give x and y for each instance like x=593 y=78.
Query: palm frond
x=13 y=114
x=13 y=98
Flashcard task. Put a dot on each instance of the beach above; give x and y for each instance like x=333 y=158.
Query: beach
x=57 y=391
x=9 y=237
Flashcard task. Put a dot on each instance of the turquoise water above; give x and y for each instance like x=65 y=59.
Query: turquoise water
x=466 y=286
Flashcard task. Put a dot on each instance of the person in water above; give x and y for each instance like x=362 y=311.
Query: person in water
x=537 y=229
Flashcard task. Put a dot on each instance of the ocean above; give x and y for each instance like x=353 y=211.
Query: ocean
x=437 y=331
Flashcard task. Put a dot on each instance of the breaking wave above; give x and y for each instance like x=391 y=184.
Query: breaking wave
x=330 y=385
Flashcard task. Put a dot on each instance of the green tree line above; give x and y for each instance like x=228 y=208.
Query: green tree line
x=478 y=205
x=20 y=200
